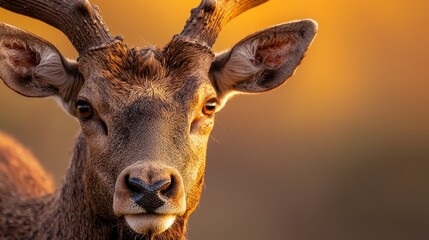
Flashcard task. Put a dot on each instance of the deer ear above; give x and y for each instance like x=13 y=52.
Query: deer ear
x=264 y=60
x=33 y=67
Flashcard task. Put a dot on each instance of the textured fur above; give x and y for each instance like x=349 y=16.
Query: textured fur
x=36 y=212
x=147 y=107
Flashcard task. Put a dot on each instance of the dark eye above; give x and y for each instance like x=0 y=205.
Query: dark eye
x=209 y=107
x=84 y=110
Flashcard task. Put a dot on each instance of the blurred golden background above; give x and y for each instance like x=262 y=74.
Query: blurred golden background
x=340 y=152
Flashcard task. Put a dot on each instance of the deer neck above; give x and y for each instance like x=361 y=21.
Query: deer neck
x=63 y=214
x=67 y=214
x=70 y=206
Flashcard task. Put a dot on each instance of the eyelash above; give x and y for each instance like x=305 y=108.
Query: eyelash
x=209 y=107
x=84 y=110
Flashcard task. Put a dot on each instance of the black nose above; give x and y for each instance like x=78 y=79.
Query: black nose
x=149 y=197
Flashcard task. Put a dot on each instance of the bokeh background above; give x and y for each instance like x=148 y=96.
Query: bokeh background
x=341 y=151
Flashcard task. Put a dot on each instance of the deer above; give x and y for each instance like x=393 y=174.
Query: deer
x=146 y=114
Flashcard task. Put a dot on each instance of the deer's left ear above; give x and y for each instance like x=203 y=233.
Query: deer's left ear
x=264 y=60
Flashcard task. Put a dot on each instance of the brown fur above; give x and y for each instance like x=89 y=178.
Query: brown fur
x=36 y=212
x=26 y=176
x=148 y=109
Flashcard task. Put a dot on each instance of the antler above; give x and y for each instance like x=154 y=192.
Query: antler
x=210 y=16
x=77 y=19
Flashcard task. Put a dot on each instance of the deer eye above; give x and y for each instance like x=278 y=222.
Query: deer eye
x=209 y=107
x=84 y=110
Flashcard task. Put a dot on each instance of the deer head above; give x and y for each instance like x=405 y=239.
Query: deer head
x=146 y=113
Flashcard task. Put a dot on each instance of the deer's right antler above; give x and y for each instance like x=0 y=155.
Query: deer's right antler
x=210 y=16
x=77 y=19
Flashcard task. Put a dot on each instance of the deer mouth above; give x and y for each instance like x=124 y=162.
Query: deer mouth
x=149 y=223
x=144 y=222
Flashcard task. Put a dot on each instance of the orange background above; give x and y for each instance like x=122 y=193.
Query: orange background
x=340 y=152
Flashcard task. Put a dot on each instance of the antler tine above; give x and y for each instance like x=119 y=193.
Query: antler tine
x=77 y=19
x=210 y=16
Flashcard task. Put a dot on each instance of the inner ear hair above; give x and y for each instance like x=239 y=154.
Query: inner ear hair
x=37 y=69
x=273 y=52
x=263 y=60
x=21 y=56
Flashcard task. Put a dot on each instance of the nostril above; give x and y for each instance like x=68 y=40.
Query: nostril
x=168 y=189
x=161 y=185
x=135 y=185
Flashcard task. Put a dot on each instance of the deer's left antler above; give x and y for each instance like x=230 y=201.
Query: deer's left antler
x=210 y=16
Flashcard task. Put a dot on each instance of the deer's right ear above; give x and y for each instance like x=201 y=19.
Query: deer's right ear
x=33 y=67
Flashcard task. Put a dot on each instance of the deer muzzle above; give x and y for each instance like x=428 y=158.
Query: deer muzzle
x=149 y=196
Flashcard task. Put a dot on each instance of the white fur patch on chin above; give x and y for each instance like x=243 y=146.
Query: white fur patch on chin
x=154 y=223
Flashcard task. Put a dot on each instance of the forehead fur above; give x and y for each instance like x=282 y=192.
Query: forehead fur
x=173 y=72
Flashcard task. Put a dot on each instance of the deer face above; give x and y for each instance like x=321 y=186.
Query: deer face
x=146 y=121
x=146 y=114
